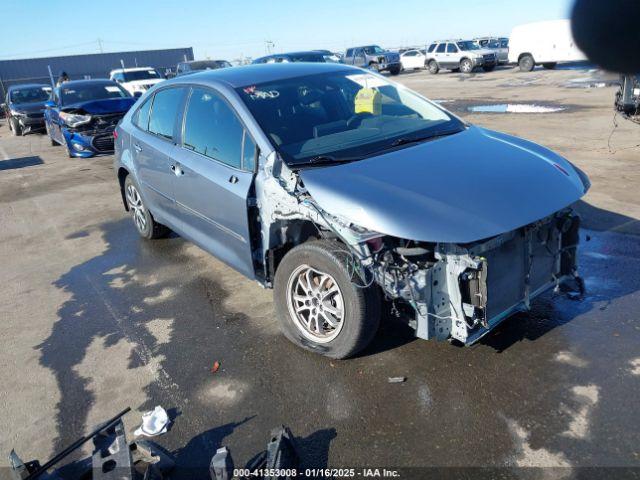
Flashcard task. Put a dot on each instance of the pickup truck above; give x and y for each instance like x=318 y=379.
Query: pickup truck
x=373 y=57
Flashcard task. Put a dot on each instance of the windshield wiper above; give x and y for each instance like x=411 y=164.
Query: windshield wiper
x=331 y=160
x=408 y=140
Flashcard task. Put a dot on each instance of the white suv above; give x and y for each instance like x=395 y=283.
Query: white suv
x=459 y=55
x=136 y=80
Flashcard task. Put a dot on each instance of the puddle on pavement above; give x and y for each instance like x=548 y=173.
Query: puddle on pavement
x=514 y=108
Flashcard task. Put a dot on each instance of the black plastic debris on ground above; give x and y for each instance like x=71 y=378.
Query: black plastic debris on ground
x=23 y=162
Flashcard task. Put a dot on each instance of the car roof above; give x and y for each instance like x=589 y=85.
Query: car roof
x=261 y=73
x=27 y=85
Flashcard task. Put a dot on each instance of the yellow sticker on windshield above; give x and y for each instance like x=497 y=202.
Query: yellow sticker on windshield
x=368 y=100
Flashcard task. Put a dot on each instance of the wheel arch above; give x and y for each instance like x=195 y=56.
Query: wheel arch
x=525 y=54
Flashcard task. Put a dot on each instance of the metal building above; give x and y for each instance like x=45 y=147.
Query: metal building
x=97 y=65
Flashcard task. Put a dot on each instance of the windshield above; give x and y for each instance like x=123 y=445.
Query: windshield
x=493 y=44
x=91 y=91
x=140 y=75
x=468 y=45
x=306 y=57
x=373 y=50
x=209 y=64
x=30 y=95
x=342 y=115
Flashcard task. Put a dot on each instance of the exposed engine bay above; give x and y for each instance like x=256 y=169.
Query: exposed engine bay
x=454 y=291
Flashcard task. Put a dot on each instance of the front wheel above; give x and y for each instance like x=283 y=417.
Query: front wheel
x=321 y=302
x=14 y=125
x=466 y=66
x=433 y=67
x=526 y=63
x=143 y=220
x=375 y=67
x=395 y=71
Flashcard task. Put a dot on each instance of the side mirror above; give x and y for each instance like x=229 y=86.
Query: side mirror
x=50 y=104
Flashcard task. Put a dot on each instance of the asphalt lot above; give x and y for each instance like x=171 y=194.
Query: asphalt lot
x=95 y=319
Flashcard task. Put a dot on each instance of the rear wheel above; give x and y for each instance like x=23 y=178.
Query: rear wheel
x=143 y=220
x=14 y=125
x=433 y=67
x=466 y=66
x=526 y=63
x=549 y=66
x=321 y=303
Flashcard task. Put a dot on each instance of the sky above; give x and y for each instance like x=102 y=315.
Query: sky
x=230 y=29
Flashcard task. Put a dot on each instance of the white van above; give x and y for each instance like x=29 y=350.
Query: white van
x=545 y=43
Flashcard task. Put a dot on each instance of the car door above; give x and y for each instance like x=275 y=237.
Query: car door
x=153 y=148
x=216 y=163
x=359 y=58
x=52 y=117
x=440 y=54
x=452 y=56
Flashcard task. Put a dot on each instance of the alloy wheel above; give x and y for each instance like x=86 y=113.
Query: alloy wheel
x=315 y=303
x=137 y=208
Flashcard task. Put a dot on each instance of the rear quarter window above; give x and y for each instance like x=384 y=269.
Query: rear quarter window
x=165 y=111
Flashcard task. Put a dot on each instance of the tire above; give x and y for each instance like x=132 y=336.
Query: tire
x=374 y=66
x=324 y=267
x=14 y=125
x=144 y=222
x=466 y=65
x=395 y=71
x=489 y=68
x=433 y=67
x=526 y=63
x=549 y=66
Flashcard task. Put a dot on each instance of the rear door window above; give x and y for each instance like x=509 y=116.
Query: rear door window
x=212 y=128
x=451 y=48
x=165 y=111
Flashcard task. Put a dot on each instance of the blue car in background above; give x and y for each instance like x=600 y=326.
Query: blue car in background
x=82 y=115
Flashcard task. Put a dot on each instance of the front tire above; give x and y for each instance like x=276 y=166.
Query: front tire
x=375 y=67
x=318 y=303
x=466 y=66
x=433 y=67
x=16 y=129
x=145 y=224
x=526 y=63
x=395 y=71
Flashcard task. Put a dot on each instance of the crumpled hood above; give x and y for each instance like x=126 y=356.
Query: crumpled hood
x=457 y=189
x=102 y=107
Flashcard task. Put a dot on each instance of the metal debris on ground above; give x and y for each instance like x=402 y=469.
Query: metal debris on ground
x=397 y=379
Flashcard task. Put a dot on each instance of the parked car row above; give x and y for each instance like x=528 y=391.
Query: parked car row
x=81 y=115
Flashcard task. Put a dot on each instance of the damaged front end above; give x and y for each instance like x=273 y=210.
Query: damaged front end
x=463 y=291
x=89 y=134
x=452 y=290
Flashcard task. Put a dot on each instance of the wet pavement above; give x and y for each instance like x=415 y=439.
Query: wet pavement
x=94 y=319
